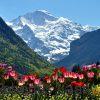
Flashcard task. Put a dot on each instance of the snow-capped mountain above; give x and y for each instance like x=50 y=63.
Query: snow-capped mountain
x=49 y=36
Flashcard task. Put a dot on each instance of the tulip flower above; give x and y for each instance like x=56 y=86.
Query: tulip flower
x=80 y=76
x=32 y=77
x=25 y=78
x=81 y=84
x=89 y=67
x=12 y=73
x=74 y=83
x=47 y=79
x=15 y=77
x=90 y=74
x=84 y=68
x=37 y=81
x=6 y=76
x=55 y=71
x=21 y=83
x=65 y=74
x=62 y=69
x=55 y=76
x=93 y=66
x=74 y=75
x=70 y=75
x=61 y=79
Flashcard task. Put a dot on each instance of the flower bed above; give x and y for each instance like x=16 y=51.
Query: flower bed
x=60 y=85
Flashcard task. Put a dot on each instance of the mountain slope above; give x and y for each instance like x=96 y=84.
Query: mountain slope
x=14 y=51
x=85 y=50
x=51 y=35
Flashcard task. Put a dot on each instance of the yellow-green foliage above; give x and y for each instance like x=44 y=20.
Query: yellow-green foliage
x=96 y=90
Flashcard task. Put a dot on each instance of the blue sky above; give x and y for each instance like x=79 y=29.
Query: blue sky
x=80 y=11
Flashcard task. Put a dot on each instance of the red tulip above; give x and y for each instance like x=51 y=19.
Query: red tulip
x=47 y=79
x=12 y=73
x=74 y=75
x=93 y=66
x=62 y=69
x=70 y=75
x=80 y=76
x=84 y=68
x=55 y=76
x=65 y=74
x=90 y=74
x=61 y=79
x=32 y=77
x=25 y=78
x=37 y=81
x=15 y=77
x=74 y=83
x=6 y=76
x=21 y=82
x=55 y=71
x=81 y=84
x=90 y=66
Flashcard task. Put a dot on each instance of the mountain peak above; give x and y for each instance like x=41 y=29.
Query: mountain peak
x=44 y=11
x=37 y=17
